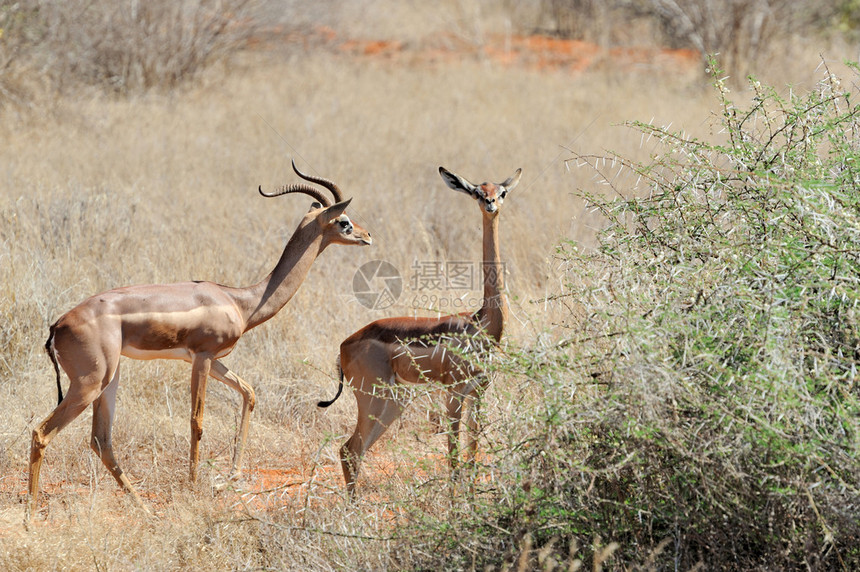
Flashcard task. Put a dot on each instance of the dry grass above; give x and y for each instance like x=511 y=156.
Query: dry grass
x=103 y=192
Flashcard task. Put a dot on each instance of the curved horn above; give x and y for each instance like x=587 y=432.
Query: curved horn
x=310 y=191
x=335 y=190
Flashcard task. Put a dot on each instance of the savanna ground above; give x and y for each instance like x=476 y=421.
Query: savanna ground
x=99 y=190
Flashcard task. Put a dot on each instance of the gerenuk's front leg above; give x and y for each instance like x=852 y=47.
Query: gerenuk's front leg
x=223 y=374
x=200 y=366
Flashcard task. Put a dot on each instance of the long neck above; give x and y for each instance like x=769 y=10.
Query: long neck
x=265 y=299
x=494 y=309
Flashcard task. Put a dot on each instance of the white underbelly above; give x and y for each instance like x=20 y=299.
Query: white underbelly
x=170 y=353
x=407 y=381
x=167 y=353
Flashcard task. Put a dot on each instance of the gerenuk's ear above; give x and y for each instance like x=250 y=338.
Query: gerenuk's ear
x=512 y=181
x=458 y=183
x=334 y=211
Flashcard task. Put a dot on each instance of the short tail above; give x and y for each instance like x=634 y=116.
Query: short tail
x=339 y=388
x=52 y=353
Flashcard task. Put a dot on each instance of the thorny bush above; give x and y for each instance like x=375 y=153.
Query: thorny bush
x=704 y=405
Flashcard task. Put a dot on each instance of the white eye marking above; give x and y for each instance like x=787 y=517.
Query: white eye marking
x=345 y=223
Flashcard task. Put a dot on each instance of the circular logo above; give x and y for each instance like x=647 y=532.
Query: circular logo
x=377 y=284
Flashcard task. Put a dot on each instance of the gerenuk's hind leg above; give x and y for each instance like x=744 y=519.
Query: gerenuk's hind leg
x=65 y=413
x=375 y=416
x=82 y=392
x=104 y=409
